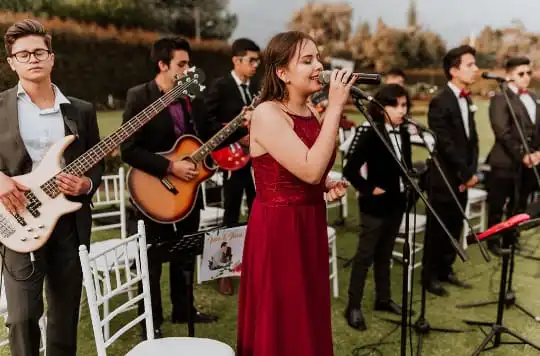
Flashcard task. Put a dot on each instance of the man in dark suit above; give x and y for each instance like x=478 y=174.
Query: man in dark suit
x=227 y=96
x=451 y=117
x=511 y=168
x=225 y=99
x=34 y=115
x=381 y=200
x=171 y=57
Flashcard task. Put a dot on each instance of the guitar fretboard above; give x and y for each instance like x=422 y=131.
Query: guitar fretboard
x=91 y=157
x=217 y=139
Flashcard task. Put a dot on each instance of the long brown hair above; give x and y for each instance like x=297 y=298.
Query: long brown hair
x=277 y=54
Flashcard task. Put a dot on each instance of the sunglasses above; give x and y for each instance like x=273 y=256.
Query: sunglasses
x=521 y=74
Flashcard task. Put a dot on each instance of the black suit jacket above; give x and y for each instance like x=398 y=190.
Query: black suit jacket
x=506 y=152
x=224 y=100
x=457 y=153
x=79 y=119
x=383 y=171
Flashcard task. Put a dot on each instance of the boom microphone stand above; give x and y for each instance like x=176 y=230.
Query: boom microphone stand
x=510 y=298
x=422 y=326
x=406 y=247
x=497 y=328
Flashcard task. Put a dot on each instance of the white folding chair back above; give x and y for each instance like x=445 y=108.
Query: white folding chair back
x=417 y=224
x=332 y=260
x=210 y=215
x=474 y=210
x=118 y=284
x=111 y=194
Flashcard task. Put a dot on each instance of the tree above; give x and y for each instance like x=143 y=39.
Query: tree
x=328 y=24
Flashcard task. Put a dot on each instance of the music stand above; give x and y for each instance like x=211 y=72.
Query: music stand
x=189 y=246
x=497 y=328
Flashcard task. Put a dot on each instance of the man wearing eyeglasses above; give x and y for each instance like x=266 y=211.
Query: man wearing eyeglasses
x=34 y=115
x=225 y=99
x=511 y=166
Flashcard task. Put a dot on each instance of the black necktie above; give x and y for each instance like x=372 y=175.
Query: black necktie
x=247 y=97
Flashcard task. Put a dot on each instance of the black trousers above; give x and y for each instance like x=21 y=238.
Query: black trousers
x=177 y=278
x=233 y=189
x=375 y=245
x=502 y=187
x=57 y=264
x=439 y=253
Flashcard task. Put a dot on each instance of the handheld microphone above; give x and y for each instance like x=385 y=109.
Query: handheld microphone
x=324 y=78
x=363 y=78
x=494 y=76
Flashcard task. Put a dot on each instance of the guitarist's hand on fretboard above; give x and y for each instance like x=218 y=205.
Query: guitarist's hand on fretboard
x=184 y=170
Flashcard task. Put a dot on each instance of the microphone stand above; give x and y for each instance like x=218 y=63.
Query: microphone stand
x=510 y=298
x=422 y=326
x=409 y=183
x=497 y=328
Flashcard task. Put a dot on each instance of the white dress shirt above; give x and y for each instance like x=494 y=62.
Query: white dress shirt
x=527 y=101
x=40 y=128
x=395 y=139
x=239 y=84
x=463 y=106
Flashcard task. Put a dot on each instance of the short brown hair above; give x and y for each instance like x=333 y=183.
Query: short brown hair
x=25 y=28
x=277 y=54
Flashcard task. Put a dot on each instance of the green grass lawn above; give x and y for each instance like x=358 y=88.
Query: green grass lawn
x=441 y=312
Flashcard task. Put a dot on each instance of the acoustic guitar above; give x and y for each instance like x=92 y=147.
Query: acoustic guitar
x=171 y=199
x=28 y=231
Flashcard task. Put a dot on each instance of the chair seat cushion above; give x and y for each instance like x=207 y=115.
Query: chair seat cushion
x=181 y=346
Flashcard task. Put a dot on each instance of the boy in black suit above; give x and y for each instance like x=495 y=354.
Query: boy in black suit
x=225 y=99
x=451 y=117
x=381 y=200
x=507 y=158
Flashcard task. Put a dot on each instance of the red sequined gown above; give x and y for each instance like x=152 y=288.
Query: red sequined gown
x=284 y=300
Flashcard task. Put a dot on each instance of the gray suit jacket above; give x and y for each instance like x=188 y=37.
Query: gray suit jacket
x=506 y=151
x=80 y=120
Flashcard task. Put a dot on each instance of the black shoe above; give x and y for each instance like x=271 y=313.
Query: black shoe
x=452 y=279
x=355 y=318
x=434 y=287
x=198 y=317
x=157 y=334
x=389 y=306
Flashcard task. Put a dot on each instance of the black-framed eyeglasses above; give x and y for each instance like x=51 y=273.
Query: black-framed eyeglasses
x=529 y=73
x=252 y=60
x=24 y=56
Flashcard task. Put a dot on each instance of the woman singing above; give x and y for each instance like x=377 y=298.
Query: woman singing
x=284 y=301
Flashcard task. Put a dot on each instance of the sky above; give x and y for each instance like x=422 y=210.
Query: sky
x=452 y=19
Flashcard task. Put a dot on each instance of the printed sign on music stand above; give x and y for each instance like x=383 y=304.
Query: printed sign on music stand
x=222 y=254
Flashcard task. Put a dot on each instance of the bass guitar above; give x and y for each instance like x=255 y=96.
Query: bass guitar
x=28 y=231
x=171 y=199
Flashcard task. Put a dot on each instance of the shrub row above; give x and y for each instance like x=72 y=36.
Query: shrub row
x=94 y=62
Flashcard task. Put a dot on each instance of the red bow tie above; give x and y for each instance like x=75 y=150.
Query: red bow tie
x=523 y=91
x=464 y=93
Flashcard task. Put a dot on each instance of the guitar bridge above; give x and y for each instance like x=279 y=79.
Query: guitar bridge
x=169 y=186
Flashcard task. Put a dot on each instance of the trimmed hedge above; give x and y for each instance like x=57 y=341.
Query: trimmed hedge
x=93 y=62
